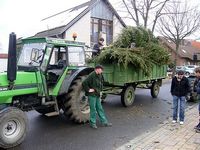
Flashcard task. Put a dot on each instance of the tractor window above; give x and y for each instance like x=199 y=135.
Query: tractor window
x=76 y=56
x=56 y=64
x=31 y=54
x=59 y=54
x=58 y=58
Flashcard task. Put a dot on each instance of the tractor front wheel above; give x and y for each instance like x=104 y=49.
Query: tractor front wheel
x=13 y=127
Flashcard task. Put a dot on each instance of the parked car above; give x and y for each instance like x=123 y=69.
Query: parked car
x=189 y=69
x=178 y=68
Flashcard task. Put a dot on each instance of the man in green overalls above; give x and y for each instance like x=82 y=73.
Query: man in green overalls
x=93 y=85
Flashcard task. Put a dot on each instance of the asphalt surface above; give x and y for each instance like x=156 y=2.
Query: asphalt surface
x=58 y=133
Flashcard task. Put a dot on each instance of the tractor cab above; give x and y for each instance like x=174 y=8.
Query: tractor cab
x=51 y=57
x=47 y=77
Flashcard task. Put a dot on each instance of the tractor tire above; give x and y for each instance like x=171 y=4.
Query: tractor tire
x=13 y=127
x=128 y=96
x=76 y=105
x=155 y=89
x=45 y=110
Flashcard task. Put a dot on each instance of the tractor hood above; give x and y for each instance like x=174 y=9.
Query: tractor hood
x=23 y=79
x=25 y=83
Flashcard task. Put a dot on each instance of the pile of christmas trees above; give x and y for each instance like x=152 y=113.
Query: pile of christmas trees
x=135 y=47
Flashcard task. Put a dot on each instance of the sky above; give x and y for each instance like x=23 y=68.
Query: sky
x=24 y=16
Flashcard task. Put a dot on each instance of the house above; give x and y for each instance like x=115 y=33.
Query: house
x=186 y=52
x=3 y=62
x=90 y=20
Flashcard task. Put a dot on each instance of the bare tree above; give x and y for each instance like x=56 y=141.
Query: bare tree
x=180 y=21
x=145 y=12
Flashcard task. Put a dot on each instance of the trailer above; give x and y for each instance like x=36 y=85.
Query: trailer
x=120 y=80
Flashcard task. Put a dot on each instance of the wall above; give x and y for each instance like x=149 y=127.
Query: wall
x=117 y=28
x=3 y=66
x=82 y=28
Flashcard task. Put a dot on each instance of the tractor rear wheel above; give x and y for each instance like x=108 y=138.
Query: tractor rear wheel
x=13 y=127
x=76 y=105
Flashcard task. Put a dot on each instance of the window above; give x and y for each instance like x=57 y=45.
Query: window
x=101 y=26
x=27 y=52
x=76 y=56
x=59 y=53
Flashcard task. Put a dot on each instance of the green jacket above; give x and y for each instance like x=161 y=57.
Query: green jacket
x=93 y=81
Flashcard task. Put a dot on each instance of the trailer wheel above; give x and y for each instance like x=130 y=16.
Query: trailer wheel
x=103 y=97
x=76 y=105
x=128 y=96
x=13 y=127
x=155 y=89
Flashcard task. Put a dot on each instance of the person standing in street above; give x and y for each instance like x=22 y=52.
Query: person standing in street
x=97 y=47
x=197 y=89
x=179 y=89
x=93 y=85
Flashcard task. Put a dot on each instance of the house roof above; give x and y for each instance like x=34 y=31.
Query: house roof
x=186 y=49
x=196 y=44
x=73 y=15
x=3 y=56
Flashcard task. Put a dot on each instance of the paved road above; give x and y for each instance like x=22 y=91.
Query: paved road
x=58 y=133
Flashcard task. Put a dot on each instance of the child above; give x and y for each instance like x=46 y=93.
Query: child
x=98 y=47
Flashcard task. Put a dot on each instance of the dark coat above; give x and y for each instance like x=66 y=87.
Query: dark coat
x=180 y=88
x=96 y=49
x=196 y=87
x=93 y=81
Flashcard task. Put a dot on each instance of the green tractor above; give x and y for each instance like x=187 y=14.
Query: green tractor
x=47 y=77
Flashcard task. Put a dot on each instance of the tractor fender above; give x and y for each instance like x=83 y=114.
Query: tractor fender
x=70 y=78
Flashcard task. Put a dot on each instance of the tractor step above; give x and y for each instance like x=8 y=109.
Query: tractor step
x=50 y=103
x=55 y=113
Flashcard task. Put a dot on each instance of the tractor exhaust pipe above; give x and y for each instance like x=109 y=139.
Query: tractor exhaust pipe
x=12 y=60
